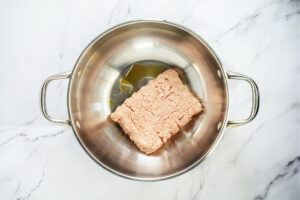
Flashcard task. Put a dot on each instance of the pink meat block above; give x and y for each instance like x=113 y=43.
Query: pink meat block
x=157 y=111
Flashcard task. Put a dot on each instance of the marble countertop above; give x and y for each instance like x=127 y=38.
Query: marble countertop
x=41 y=160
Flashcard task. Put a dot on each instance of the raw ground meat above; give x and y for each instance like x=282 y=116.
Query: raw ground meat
x=157 y=111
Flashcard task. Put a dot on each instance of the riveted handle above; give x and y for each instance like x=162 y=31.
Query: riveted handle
x=43 y=97
x=255 y=99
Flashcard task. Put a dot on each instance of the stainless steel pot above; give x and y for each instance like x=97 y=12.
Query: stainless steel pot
x=100 y=67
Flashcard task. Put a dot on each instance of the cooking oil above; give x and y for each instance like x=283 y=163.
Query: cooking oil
x=139 y=74
x=136 y=75
x=110 y=102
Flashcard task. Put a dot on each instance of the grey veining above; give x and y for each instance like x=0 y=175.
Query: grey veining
x=290 y=169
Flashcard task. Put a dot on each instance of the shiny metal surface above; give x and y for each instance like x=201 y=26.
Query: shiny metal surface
x=43 y=97
x=255 y=99
x=105 y=61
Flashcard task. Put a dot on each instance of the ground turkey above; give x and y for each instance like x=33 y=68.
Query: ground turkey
x=157 y=111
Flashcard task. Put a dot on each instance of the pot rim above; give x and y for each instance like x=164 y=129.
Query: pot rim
x=221 y=131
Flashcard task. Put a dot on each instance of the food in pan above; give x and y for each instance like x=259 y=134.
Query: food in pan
x=157 y=111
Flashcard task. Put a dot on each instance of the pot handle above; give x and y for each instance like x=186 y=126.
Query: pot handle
x=64 y=75
x=255 y=99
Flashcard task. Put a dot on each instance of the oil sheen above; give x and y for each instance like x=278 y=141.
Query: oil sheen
x=132 y=78
x=138 y=75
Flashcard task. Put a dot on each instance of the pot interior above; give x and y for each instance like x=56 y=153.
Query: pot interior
x=94 y=90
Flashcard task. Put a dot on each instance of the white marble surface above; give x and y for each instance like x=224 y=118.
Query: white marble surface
x=41 y=160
